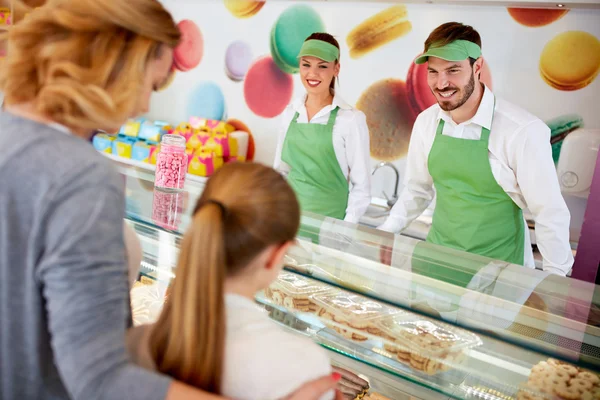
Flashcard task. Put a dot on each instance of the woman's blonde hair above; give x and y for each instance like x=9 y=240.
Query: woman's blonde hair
x=83 y=62
x=244 y=209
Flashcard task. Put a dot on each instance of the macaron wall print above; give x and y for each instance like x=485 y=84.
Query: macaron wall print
x=289 y=31
x=189 y=52
x=536 y=17
x=389 y=117
x=570 y=60
x=267 y=89
x=237 y=60
x=378 y=30
x=243 y=8
x=241 y=64
x=206 y=101
x=560 y=127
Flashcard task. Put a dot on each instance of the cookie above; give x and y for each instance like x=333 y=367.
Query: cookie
x=390 y=348
x=581 y=384
x=569 y=369
x=277 y=298
x=404 y=357
x=416 y=365
x=589 y=376
x=567 y=392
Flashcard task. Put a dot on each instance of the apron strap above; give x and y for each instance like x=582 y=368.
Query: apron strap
x=295 y=117
x=332 y=116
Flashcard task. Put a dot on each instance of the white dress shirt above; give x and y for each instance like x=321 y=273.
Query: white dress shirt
x=350 y=143
x=521 y=161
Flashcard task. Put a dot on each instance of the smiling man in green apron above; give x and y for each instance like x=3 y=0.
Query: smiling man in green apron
x=487 y=160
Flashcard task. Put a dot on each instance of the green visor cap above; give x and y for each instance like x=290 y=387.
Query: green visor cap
x=459 y=50
x=320 y=49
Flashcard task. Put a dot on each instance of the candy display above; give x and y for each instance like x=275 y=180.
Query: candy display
x=171 y=163
x=104 y=142
x=207 y=144
x=5 y=17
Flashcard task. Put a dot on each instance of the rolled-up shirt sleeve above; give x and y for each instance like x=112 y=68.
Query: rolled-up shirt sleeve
x=83 y=276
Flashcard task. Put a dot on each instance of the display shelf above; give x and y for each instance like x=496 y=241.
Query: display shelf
x=522 y=316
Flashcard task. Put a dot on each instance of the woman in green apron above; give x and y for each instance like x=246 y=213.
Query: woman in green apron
x=323 y=144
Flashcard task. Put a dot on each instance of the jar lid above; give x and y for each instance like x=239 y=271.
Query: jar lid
x=173 y=139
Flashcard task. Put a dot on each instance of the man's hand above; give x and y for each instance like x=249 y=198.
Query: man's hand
x=315 y=389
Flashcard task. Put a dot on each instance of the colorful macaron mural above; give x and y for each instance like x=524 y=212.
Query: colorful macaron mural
x=245 y=68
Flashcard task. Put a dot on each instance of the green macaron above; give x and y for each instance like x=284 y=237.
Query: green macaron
x=289 y=32
x=560 y=127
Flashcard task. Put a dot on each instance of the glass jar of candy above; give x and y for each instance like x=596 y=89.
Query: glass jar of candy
x=171 y=163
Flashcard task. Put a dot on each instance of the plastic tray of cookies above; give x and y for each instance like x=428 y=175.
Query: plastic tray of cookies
x=554 y=379
x=358 y=313
x=294 y=292
x=426 y=345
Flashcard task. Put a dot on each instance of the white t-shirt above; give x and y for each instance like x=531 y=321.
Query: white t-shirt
x=262 y=361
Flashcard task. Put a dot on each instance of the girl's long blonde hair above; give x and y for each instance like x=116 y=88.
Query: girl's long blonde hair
x=83 y=62
x=244 y=209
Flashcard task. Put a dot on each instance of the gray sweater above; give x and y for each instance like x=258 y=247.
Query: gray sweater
x=64 y=303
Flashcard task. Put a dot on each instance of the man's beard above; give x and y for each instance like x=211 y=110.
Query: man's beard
x=467 y=92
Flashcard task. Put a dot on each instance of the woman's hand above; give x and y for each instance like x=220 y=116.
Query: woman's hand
x=315 y=389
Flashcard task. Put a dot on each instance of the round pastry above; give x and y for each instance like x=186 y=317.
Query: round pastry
x=378 y=30
x=389 y=118
x=267 y=90
x=188 y=53
x=243 y=8
x=571 y=60
x=581 y=384
x=536 y=17
x=589 y=376
x=289 y=32
x=237 y=60
x=567 y=392
x=569 y=369
x=277 y=298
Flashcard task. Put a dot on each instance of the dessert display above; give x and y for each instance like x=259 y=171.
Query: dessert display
x=426 y=345
x=358 y=313
x=557 y=379
x=294 y=292
x=147 y=301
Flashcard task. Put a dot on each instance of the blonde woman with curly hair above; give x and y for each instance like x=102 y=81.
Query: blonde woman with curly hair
x=74 y=66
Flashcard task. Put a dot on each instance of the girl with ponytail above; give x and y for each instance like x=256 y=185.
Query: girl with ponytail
x=210 y=333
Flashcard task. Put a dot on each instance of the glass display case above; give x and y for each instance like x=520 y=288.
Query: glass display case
x=414 y=319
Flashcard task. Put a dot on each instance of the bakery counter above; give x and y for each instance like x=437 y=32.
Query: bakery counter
x=406 y=334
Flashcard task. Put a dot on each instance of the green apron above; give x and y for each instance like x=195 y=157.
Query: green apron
x=315 y=174
x=473 y=213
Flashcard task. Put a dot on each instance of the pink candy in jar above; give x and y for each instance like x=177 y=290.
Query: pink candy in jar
x=171 y=163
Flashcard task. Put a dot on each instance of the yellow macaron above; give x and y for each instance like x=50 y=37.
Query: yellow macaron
x=378 y=30
x=571 y=60
x=243 y=8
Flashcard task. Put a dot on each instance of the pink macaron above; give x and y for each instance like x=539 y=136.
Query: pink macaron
x=188 y=54
x=267 y=90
